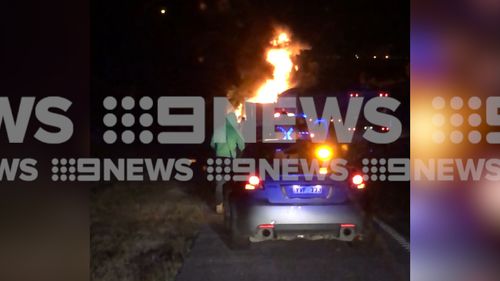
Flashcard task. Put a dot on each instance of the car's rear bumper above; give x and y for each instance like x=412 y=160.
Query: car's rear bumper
x=299 y=221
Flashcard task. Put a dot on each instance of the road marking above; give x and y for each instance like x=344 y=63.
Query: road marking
x=393 y=233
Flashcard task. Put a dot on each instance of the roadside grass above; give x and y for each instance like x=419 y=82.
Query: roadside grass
x=142 y=231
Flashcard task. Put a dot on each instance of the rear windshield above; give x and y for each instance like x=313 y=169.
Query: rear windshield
x=300 y=149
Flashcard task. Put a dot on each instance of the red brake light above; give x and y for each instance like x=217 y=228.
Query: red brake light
x=347 y=225
x=357 y=180
x=254 y=180
x=266 y=226
x=253 y=183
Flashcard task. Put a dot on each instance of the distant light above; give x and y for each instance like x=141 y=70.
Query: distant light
x=374 y=57
x=202 y=6
x=356 y=56
x=163 y=11
x=323 y=171
x=277 y=114
x=290 y=114
x=296 y=68
x=386 y=56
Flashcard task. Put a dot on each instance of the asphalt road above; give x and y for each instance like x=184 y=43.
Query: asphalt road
x=212 y=259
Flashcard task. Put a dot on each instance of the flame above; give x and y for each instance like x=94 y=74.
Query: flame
x=282 y=38
x=280 y=57
x=238 y=111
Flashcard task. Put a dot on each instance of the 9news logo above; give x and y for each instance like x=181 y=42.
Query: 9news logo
x=145 y=119
x=127 y=122
x=450 y=125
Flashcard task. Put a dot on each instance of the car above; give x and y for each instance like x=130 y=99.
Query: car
x=307 y=207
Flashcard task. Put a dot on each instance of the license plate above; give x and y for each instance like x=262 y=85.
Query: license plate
x=307 y=189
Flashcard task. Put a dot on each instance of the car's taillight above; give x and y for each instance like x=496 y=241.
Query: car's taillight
x=347 y=225
x=266 y=226
x=254 y=180
x=358 y=181
x=253 y=183
x=249 y=187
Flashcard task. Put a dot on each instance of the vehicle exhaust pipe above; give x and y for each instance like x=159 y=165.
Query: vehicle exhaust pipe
x=347 y=231
x=266 y=233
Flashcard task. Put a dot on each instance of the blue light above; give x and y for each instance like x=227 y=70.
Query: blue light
x=287 y=135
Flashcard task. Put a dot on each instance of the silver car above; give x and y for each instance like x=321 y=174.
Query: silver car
x=266 y=209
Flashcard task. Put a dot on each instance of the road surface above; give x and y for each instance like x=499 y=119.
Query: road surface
x=211 y=259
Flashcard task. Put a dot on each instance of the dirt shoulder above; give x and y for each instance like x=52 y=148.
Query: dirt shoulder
x=142 y=231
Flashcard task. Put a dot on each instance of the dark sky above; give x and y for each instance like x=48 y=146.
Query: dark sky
x=197 y=47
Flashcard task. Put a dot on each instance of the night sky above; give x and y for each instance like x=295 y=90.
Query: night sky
x=198 y=47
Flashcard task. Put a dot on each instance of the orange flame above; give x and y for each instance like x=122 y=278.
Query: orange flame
x=280 y=57
x=238 y=111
